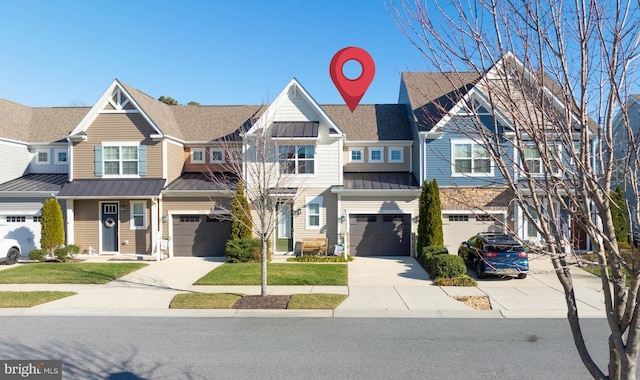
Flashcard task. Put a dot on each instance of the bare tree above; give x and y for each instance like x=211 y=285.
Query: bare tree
x=555 y=76
x=253 y=156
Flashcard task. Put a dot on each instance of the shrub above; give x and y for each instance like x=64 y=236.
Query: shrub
x=37 y=254
x=52 y=230
x=241 y=223
x=463 y=280
x=66 y=253
x=243 y=250
x=429 y=252
x=447 y=266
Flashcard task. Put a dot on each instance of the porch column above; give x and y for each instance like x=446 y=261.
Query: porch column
x=69 y=220
x=155 y=242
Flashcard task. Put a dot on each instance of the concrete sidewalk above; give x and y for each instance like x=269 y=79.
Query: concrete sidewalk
x=390 y=287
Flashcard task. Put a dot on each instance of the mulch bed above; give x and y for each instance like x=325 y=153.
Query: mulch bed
x=259 y=302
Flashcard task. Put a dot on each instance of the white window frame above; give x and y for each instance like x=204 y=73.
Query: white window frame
x=542 y=172
x=297 y=161
x=56 y=156
x=132 y=223
x=473 y=144
x=47 y=161
x=396 y=149
x=381 y=160
x=120 y=145
x=198 y=150
x=216 y=150
x=360 y=150
x=312 y=201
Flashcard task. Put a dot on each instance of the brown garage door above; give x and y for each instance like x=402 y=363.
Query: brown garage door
x=199 y=235
x=380 y=234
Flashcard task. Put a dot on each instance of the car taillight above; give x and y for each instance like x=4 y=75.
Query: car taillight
x=491 y=254
x=522 y=254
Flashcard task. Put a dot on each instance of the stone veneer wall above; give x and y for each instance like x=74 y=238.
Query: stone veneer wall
x=475 y=198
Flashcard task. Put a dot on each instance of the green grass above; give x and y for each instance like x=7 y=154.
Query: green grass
x=315 y=301
x=28 y=299
x=226 y=301
x=204 y=301
x=277 y=274
x=67 y=273
x=596 y=271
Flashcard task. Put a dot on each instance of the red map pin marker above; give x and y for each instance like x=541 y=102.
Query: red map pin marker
x=352 y=90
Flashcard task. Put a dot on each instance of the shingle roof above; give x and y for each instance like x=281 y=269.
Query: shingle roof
x=36 y=182
x=38 y=124
x=206 y=123
x=431 y=95
x=371 y=121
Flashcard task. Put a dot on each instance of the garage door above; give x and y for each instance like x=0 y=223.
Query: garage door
x=199 y=235
x=26 y=229
x=460 y=227
x=380 y=234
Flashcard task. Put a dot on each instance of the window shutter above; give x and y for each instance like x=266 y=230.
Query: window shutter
x=142 y=160
x=97 y=160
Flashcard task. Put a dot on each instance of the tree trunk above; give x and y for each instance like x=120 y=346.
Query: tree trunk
x=263 y=267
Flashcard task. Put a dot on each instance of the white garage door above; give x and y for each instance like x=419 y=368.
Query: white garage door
x=460 y=227
x=24 y=228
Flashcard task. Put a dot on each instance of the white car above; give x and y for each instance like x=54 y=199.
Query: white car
x=9 y=251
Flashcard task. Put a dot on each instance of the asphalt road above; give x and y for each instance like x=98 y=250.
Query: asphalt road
x=302 y=348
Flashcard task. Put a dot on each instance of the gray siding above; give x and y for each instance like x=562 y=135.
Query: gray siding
x=15 y=167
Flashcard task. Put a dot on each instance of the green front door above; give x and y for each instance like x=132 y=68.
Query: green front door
x=284 y=235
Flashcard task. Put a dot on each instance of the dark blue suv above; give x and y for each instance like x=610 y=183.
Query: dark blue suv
x=490 y=253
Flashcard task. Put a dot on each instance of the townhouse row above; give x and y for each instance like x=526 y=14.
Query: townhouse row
x=137 y=176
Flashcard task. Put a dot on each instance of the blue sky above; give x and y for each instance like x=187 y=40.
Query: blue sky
x=61 y=53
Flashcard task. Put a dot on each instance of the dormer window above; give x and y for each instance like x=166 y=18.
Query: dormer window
x=42 y=156
x=197 y=156
x=376 y=155
x=216 y=156
x=61 y=156
x=356 y=155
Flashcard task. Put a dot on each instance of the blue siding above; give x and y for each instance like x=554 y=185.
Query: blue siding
x=438 y=157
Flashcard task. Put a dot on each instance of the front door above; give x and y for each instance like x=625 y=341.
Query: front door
x=109 y=227
x=284 y=235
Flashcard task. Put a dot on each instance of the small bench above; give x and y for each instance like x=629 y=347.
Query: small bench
x=319 y=245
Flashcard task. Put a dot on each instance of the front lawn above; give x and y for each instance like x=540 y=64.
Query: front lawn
x=28 y=299
x=227 y=301
x=204 y=301
x=67 y=273
x=277 y=274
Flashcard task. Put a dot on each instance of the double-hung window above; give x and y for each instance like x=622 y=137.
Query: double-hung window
x=296 y=159
x=470 y=158
x=120 y=159
x=533 y=159
x=314 y=215
x=138 y=215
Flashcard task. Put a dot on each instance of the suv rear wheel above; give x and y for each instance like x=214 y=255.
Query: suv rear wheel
x=480 y=270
